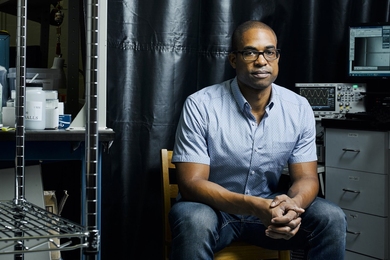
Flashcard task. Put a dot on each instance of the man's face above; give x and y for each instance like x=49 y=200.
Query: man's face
x=258 y=74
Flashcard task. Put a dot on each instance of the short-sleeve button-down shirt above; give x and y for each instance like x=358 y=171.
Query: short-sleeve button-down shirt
x=217 y=128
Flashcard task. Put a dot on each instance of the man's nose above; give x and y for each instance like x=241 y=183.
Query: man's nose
x=261 y=59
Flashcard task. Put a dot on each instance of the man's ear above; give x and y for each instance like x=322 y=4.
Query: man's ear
x=232 y=59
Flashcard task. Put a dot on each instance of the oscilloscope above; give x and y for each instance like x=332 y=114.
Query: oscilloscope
x=333 y=100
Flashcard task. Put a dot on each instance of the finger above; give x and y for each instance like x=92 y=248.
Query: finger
x=289 y=227
x=291 y=206
x=299 y=211
x=286 y=218
x=294 y=230
x=285 y=232
x=276 y=235
x=277 y=200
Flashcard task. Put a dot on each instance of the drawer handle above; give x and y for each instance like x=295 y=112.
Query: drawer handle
x=351 y=150
x=353 y=191
x=353 y=233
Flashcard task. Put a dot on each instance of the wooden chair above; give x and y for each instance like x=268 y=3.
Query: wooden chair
x=236 y=251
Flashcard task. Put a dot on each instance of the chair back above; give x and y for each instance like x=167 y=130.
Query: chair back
x=170 y=192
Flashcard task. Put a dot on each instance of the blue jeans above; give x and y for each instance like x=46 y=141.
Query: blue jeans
x=198 y=231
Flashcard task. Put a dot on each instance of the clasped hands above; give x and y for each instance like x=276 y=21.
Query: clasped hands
x=285 y=219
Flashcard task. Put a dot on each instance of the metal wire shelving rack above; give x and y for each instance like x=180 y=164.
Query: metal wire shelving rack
x=25 y=227
x=27 y=222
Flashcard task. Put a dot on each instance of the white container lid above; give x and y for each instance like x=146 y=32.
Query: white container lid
x=51 y=94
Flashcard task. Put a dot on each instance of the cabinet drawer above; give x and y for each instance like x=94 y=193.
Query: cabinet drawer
x=371 y=236
x=358 y=191
x=357 y=150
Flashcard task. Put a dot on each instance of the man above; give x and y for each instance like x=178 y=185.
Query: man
x=232 y=143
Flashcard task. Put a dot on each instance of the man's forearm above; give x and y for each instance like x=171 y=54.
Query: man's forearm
x=304 y=191
x=221 y=199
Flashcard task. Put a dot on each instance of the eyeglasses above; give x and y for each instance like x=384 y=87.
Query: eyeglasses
x=250 y=55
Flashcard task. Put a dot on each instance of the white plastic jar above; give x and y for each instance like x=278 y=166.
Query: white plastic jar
x=51 y=109
x=35 y=117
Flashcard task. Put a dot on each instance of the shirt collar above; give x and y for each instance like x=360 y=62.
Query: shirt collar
x=241 y=101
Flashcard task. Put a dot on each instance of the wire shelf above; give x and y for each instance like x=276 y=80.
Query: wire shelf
x=26 y=223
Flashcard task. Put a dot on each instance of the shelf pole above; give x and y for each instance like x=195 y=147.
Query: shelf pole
x=20 y=120
x=91 y=130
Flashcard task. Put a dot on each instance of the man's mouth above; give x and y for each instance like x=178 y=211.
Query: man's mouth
x=261 y=74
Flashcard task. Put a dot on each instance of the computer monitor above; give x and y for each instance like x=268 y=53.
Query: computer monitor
x=369 y=51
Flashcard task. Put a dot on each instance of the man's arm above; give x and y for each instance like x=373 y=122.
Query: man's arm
x=195 y=186
x=303 y=191
x=305 y=184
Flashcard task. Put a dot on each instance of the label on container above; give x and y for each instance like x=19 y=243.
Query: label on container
x=34 y=111
x=64 y=121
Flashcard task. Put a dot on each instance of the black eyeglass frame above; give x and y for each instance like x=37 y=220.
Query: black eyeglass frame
x=277 y=51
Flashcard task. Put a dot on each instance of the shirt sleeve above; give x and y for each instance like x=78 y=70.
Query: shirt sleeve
x=190 y=140
x=305 y=149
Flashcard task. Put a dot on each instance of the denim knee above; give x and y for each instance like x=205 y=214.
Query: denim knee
x=194 y=230
x=326 y=225
x=328 y=214
x=195 y=220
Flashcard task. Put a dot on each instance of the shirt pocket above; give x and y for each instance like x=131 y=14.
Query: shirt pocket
x=280 y=152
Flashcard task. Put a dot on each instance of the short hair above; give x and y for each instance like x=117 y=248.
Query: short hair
x=239 y=31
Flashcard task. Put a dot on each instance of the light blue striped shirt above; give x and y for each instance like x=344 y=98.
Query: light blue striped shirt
x=217 y=128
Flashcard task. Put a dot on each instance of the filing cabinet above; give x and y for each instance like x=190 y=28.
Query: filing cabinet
x=357 y=179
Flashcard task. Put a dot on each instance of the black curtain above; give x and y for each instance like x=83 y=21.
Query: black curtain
x=160 y=51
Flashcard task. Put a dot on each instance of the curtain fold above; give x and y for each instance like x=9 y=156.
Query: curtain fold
x=161 y=51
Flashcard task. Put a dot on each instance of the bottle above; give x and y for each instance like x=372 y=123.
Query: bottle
x=8 y=112
x=11 y=101
x=51 y=109
x=35 y=115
